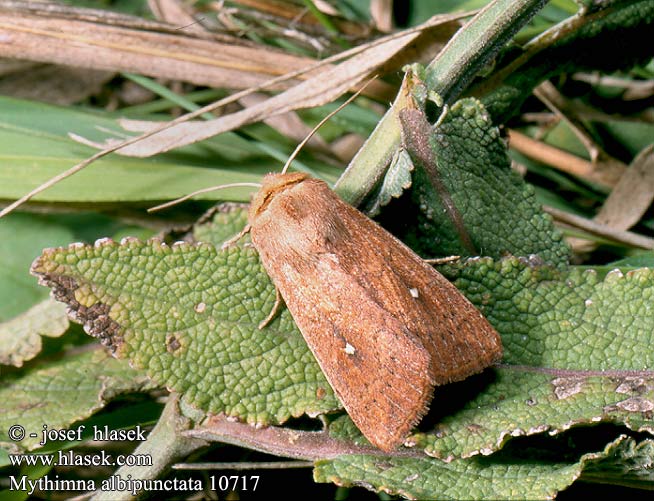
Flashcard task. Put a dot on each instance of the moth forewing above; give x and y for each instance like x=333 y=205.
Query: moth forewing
x=384 y=326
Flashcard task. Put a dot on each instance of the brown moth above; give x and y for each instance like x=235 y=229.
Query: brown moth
x=385 y=326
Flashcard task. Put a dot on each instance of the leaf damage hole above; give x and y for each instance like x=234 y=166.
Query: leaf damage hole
x=565 y=387
x=173 y=343
x=633 y=385
x=633 y=404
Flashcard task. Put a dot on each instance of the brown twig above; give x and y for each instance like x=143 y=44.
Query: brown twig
x=602 y=230
x=564 y=161
x=245 y=465
x=305 y=445
x=552 y=98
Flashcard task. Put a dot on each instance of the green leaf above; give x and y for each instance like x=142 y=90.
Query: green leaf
x=35 y=146
x=642 y=260
x=526 y=401
x=624 y=462
x=582 y=42
x=567 y=320
x=83 y=382
x=22 y=238
x=188 y=316
x=563 y=137
x=396 y=180
x=221 y=223
x=425 y=478
x=20 y=337
x=498 y=210
x=575 y=352
x=633 y=136
x=526 y=474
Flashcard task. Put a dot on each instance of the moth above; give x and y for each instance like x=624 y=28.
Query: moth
x=384 y=326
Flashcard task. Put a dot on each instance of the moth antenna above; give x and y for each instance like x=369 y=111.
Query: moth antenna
x=199 y=192
x=322 y=122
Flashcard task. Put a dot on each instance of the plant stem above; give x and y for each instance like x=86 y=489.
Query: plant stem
x=447 y=75
x=164 y=445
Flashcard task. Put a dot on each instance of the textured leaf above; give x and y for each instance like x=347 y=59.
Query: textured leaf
x=498 y=210
x=526 y=402
x=590 y=45
x=497 y=477
x=84 y=382
x=566 y=320
x=396 y=180
x=577 y=350
x=625 y=462
x=20 y=337
x=188 y=315
x=221 y=224
x=424 y=478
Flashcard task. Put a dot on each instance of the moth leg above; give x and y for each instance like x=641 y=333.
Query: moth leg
x=442 y=260
x=235 y=238
x=442 y=116
x=275 y=309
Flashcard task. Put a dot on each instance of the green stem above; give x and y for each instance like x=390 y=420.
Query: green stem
x=164 y=446
x=476 y=44
x=447 y=75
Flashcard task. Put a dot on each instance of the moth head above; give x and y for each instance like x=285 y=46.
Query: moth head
x=272 y=185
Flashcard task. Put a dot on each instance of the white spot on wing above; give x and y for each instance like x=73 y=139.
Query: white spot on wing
x=349 y=349
x=414 y=292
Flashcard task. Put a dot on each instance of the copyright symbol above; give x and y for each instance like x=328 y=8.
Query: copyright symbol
x=16 y=433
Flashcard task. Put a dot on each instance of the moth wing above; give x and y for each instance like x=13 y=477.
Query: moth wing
x=460 y=340
x=378 y=369
x=382 y=324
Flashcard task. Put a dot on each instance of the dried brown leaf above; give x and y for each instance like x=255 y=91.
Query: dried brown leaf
x=633 y=194
x=166 y=53
x=174 y=12
x=287 y=124
x=602 y=230
x=316 y=91
x=299 y=14
x=9 y=66
x=381 y=11
x=435 y=23
x=561 y=106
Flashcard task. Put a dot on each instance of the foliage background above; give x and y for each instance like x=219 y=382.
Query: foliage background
x=573 y=140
